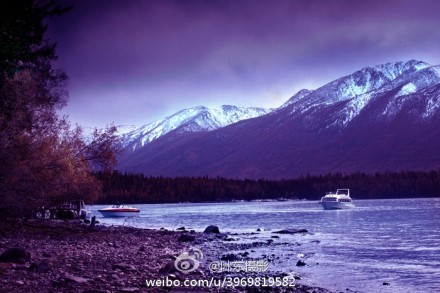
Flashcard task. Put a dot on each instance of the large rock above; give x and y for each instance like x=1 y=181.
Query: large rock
x=230 y=257
x=42 y=267
x=212 y=229
x=291 y=231
x=168 y=268
x=186 y=238
x=17 y=255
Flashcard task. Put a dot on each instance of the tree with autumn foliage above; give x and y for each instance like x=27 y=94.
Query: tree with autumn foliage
x=44 y=161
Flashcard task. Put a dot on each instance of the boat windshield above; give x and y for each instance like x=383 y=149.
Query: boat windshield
x=343 y=192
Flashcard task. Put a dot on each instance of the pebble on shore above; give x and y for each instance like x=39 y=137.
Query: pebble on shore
x=67 y=256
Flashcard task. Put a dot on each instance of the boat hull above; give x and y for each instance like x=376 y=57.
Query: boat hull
x=336 y=205
x=119 y=213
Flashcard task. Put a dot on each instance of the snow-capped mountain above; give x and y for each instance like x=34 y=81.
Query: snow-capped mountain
x=296 y=97
x=359 y=88
x=379 y=118
x=195 y=119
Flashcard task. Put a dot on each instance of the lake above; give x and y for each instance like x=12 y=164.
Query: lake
x=379 y=241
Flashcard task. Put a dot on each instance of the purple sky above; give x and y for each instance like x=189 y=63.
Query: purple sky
x=135 y=61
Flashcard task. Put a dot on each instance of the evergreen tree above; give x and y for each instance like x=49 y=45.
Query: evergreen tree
x=43 y=161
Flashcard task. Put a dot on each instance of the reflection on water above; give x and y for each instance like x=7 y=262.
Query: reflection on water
x=393 y=241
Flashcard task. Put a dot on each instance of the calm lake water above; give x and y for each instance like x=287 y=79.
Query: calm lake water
x=392 y=241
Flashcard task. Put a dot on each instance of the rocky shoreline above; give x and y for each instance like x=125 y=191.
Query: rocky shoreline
x=69 y=256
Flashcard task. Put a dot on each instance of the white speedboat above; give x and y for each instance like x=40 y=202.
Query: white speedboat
x=339 y=200
x=118 y=210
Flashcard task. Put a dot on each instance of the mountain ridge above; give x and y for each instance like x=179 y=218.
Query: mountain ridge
x=378 y=118
x=194 y=119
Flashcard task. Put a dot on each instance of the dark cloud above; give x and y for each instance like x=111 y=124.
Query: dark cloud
x=135 y=61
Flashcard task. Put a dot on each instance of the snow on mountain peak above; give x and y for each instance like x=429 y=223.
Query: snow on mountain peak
x=423 y=88
x=394 y=69
x=296 y=97
x=350 y=94
x=372 y=78
x=407 y=89
x=359 y=87
x=194 y=119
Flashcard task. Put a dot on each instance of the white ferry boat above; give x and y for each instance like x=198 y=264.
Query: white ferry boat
x=339 y=200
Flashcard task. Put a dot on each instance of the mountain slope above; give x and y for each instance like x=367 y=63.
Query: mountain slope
x=379 y=118
x=189 y=120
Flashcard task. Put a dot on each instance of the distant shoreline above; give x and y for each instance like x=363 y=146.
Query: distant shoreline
x=138 y=188
x=262 y=200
